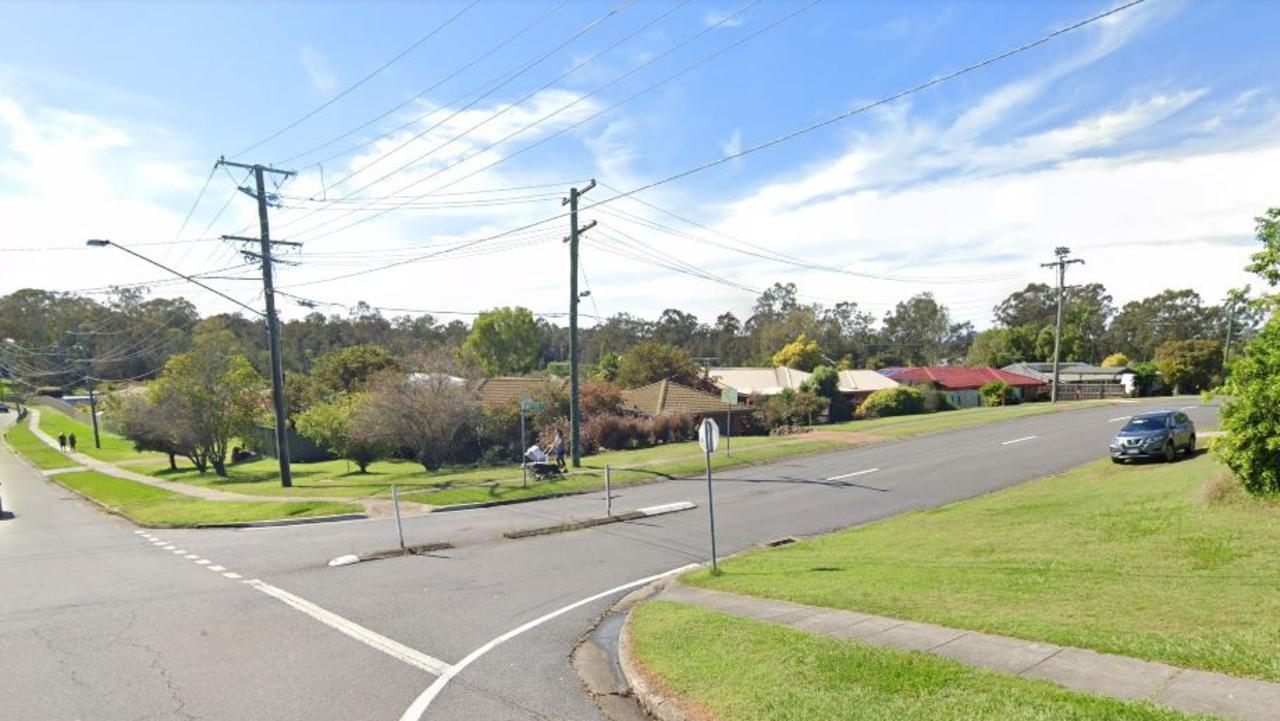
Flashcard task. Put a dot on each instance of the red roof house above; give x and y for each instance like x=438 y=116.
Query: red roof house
x=961 y=383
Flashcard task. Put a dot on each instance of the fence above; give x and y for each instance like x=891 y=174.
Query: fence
x=1089 y=391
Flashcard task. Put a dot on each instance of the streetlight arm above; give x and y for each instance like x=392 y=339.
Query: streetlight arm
x=95 y=243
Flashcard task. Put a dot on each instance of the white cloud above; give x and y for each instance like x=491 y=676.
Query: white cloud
x=733 y=145
x=323 y=80
x=723 y=19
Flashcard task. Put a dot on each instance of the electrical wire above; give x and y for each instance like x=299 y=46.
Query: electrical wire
x=398 y=56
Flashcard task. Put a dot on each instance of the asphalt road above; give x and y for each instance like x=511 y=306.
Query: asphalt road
x=98 y=621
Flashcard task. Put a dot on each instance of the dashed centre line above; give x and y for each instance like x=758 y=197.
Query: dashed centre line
x=1018 y=440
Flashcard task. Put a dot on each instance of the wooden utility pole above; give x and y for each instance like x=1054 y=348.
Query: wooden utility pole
x=1061 y=264
x=574 y=297
x=268 y=293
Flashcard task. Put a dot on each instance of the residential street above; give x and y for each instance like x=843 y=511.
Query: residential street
x=97 y=621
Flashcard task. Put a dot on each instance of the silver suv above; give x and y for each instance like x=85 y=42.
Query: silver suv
x=1161 y=434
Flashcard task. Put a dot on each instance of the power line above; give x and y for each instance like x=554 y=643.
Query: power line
x=311 y=113
x=474 y=61
x=777 y=140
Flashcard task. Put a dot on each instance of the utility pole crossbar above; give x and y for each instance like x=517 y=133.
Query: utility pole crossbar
x=575 y=417
x=1061 y=264
x=269 y=295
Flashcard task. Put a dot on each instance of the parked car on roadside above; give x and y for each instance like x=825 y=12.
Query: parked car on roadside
x=4 y=408
x=1159 y=434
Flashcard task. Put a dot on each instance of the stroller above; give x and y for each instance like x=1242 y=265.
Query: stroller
x=544 y=470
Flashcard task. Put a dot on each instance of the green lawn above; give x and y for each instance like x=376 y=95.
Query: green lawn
x=744 y=670
x=904 y=426
x=114 y=448
x=152 y=506
x=1120 y=559
x=35 y=450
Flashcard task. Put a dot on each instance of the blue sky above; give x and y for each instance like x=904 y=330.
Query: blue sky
x=1146 y=141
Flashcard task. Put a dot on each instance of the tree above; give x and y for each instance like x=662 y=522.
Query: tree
x=998 y=393
x=146 y=424
x=606 y=368
x=791 y=407
x=1036 y=305
x=649 y=362
x=824 y=382
x=1144 y=324
x=1115 y=360
x=801 y=354
x=208 y=397
x=345 y=370
x=429 y=417
x=503 y=341
x=1190 y=365
x=919 y=330
x=1251 y=413
x=1001 y=346
x=333 y=424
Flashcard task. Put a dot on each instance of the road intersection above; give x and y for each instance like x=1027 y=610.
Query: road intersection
x=101 y=621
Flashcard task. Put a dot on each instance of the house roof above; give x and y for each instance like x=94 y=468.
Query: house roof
x=964 y=378
x=857 y=381
x=758 y=381
x=666 y=396
x=1069 y=372
x=510 y=389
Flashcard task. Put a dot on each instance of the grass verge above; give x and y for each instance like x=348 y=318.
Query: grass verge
x=745 y=670
x=114 y=448
x=1122 y=559
x=906 y=426
x=151 y=506
x=25 y=442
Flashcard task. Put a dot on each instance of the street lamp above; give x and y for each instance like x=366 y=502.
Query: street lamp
x=282 y=452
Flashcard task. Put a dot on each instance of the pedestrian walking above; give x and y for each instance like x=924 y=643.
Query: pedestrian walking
x=71 y=441
x=557 y=448
x=62 y=441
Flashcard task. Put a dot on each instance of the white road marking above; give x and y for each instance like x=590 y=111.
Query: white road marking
x=1118 y=419
x=1018 y=440
x=1188 y=408
x=420 y=704
x=668 y=508
x=169 y=547
x=192 y=557
x=179 y=552
x=346 y=560
x=232 y=575
x=216 y=569
x=140 y=532
x=204 y=562
x=851 y=475
x=374 y=640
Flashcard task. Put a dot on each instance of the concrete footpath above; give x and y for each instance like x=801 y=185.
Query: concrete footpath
x=373 y=507
x=1188 y=690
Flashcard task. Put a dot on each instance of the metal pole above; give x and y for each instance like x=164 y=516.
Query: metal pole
x=395 y=498
x=608 y=490
x=1057 y=334
x=711 y=505
x=524 y=469
x=728 y=434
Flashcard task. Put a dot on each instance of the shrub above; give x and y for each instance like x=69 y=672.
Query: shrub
x=791 y=407
x=615 y=433
x=900 y=401
x=934 y=400
x=825 y=383
x=674 y=427
x=1115 y=360
x=1251 y=414
x=998 y=393
x=600 y=397
x=1190 y=365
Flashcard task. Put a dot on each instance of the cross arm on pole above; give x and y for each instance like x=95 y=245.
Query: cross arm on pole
x=243 y=239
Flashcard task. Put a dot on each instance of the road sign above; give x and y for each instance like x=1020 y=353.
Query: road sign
x=529 y=404
x=708 y=435
x=729 y=395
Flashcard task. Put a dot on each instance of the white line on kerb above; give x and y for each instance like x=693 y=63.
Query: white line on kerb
x=1018 y=440
x=851 y=475
x=420 y=704
x=374 y=640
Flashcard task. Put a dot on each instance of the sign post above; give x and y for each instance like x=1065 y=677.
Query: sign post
x=709 y=438
x=524 y=472
x=608 y=490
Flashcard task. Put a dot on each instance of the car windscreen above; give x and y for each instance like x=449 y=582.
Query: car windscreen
x=1145 y=424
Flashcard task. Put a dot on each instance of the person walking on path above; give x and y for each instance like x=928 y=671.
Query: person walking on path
x=557 y=448
x=71 y=440
x=62 y=441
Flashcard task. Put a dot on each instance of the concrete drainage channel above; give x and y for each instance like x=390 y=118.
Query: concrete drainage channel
x=597 y=659
x=563 y=527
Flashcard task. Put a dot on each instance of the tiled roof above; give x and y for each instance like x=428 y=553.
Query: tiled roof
x=666 y=396
x=510 y=389
x=762 y=381
x=857 y=381
x=963 y=377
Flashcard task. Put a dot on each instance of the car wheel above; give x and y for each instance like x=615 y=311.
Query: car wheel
x=1191 y=445
x=1170 y=452
x=1118 y=461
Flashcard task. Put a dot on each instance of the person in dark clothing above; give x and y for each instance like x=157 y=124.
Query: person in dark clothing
x=62 y=441
x=71 y=441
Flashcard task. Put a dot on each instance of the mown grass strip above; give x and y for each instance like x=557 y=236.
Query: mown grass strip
x=729 y=667
x=35 y=450
x=1120 y=559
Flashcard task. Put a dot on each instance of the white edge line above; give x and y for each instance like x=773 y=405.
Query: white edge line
x=374 y=640
x=1018 y=440
x=420 y=704
x=851 y=475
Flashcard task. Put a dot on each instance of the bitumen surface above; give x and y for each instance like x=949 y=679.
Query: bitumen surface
x=99 y=621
